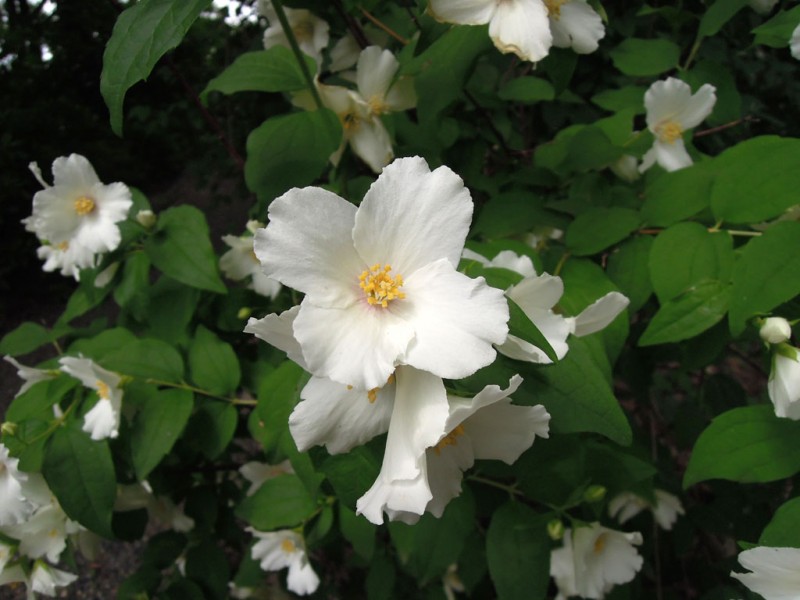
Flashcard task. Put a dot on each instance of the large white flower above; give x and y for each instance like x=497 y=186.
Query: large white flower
x=78 y=210
x=486 y=426
x=240 y=262
x=784 y=381
x=537 y=295
x=672 y=110
x=593 y=560
x=310 y=32
x=102 y=421
x=775 y=572
x=665 y=510
x=277 y=550
x=380 y=281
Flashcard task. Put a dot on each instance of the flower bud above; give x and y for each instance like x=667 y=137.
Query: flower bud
x=555 y=529
x=146 y=218
x=244 y=312
x=775 y=330
x=8 y=428
x=594 y=493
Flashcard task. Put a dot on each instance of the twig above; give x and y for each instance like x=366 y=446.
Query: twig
x=385 y=27
x=714 y=130
x=352 y=25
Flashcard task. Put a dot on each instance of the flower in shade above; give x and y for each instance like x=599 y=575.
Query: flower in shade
x=240 y=262
x=43 y=579
x=672 y=110
x=794 y=42
x=762 y=6
x=783 y=385
x=666 y=507
x=102 y=421
x=276 y=550
x=310 y=32
x=593 y=560
x=774 y=572
x=15 y=507
x=575 y=24
x=257 y=473
x=29 y=375
x=775 y=330
x=380 y=281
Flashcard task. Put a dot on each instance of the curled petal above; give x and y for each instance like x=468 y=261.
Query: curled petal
x=522 y=27
x=579 y=27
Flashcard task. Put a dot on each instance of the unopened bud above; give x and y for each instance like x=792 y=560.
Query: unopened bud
x=8 y=428
x=555 y=529
x=775 y=330
x=244 y=312
x=146 y=218
x=594 y=493
x=252 y=225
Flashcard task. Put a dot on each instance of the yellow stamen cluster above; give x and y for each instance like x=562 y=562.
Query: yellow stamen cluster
x=599 y=544
x=379 y=286
x=102 y=390
x=669 y=132
x=377 y=105
x=451 y=439
x=63 y=246
x=554 y=8
x=84 y=205
x=304 y=31
x=288 y=546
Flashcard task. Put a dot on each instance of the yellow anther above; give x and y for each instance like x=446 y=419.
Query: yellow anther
x=304 y=30
x=288 y=546
x=554 y=8
x=377 y=106
x=379 y=286
x=53 y=533
x=350 y=121
x=63 y=246
x=390 y=380
x=451 y=439
x=372 y=395
x=669 y=132
x=84 y=205
x=599 y=544
x=102 y=390
x=349 y=387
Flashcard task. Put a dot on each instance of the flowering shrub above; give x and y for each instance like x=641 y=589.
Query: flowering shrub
x=512 y=316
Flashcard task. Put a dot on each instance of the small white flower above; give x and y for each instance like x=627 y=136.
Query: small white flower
x=626 y=167
x=159 y=508
x=310 y=32
x=627 y=505
x=575 y=24
x=146 y=218
x=240 y=262
x=278 y=550
x=29 y=375
x=45 y=532
x=346 y=51
x=775 y=330
x=68 y=258
x=775 y=572
x=672 y=110
x=784 y=382
x=45 y=579
x=257 y=473
x=102 y=421
x=14 y=506
x=593 y=560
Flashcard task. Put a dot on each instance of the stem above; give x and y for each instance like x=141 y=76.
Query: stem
x=287 y=30
x=352 y=25
x=56 y=424
x=511 y=490
x=692 y=53
x=719 y=128
x=561 y=262
x=196 y=390
x=385 y=27
x=714 y=229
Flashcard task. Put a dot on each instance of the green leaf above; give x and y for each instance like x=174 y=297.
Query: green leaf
x=212 y=363
x=273 y=70
x=527 y=90
x=766 y=168
x=352 y=474
x=280 y=502
x=157 y=427
x=783 y=531
x=290 y=151
x=39 y=399
x=212 y=427
x=27 y=337
x=628 y=97
x=697 y=309
x=278 y=393
x=147 y=359
x=80 y=473
x=518 y=553
x=521 y=326
x=678 y=195
x=132 y=290
x=748 y=445
x=142 y=34
x=777 y=32
x=180 y=247
x=628 y=268
x=172 y=306
x=107 y=342
x=767 y=273
x=643 y=58
x=590 y=149
x=207 y=565
x=717 y=15
x=358 y=531
x=599 y=228
x=687 y=253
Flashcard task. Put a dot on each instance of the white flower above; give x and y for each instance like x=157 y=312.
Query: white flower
x=68 y=258
x=146 y=218
x=762 y=6
x=794 y=42
x=775 y=330
x=486 y=426
x=380 y=283
x=775 y=572
x=14 y=506
x=536 y=295
x=45 y=579
x=29 y=375
x=784 y=382
x=257 y=473
x=277 y=550
x=102 y=421
x=78 y=209
x=593 y=560
x=672 y=110
x=452 y=583
x=240 y=262
x=346 y=51
x=159 y=508
x=310 y=31
x=627 y=505
x=45 y=532
x=575 y=24
x=376 y=80
x=626 y=167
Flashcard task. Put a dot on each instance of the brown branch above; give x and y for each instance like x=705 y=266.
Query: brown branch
x=713 y=130
x=385 y=27
x=352 y=25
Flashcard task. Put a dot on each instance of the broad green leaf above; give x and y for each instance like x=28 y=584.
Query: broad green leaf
x=27 y=337
x=207 y=565
x=590 y=149
x=278 y=393
x=678 y=195
x=512 y=213
x=132 y=290
x=290 y=151
x=748 y=445
x=180 y=247
x=39 y=399
x=281 y=502
x=82 y=300
x=80 y=473
x=777 y=32
x=522 y=327
x=352 y=474
x=599 y=228
x=518 y=552
x=157 y=427
x=691 y=313
x=628 y=97
x=358 y=531
x=527 y=90
x=717 y=15
x=142 y=34
x=172 y=306
x=644 y=58
x=103 y=344
x=147 y=359
x=783 y=531
x=212 y=363
x=756 y=180
x=211 y=427
x=273 y=70
x=685 y=254
x=628 y=268
x=767 y=273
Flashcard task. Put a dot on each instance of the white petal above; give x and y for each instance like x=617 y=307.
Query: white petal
x=45 y=579
x=698 y=107
x=102 y=421
x=358 y=345
x=74 y=172
x=301 y=578
x=401 y=499
x=775 y=572
x=339 y=418
x=519 y=263
x=522 y=27
x=537 y=293
x=665 y=100
x=276 y=329
x=463 y=12
x=307 y=245
x=265 y=286
x=504 y=432
x=672 y=156
x=667 y=509
x=784 y=386
x=456 y=320
x=604 y=558
x=375 y=70
x=240 y=261
x=371 y=143
x=445 y=468
x=402 y=95
x=794 y=42
x=623 y=507
x=578 y=27
x=600 y=313
x=412 y=216
x=29 y=375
